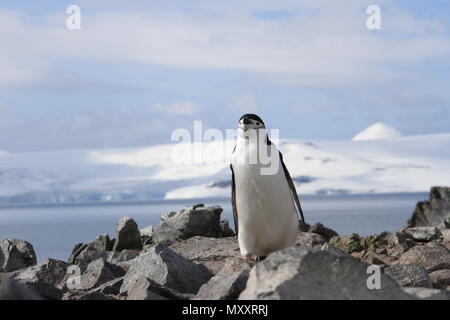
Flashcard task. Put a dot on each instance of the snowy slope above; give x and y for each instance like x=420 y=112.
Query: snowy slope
x=376 y=132
x=397 y=164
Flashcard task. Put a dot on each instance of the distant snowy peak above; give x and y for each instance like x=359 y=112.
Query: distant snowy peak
x=376 y=132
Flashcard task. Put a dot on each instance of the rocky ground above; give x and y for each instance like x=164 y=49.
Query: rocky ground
x=192 y=254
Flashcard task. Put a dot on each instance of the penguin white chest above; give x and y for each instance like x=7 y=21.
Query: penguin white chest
x=267 y=216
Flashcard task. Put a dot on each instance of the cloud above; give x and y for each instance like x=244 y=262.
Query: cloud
x=328 y=46
x=245 y=103
x=95 y=129
x=177 y=108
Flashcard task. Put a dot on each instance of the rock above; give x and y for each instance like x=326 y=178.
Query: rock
x=427 y=294
x=399 y=243
x=189 y=222
x=147 y=231
x=224 y=285
x=434 y=211
x=349 y=244
x=16 y=254
x=111 y=287
x=167 y=268
x=166 y=234
x=446 y=235
x=409 y=275
x=370 y=257
x=99 y=248
x=211 y=252
x=236 y=264
x=139 y=291
x=333 y=250
x=146 y=235
x=146 y=289
x=440 y=278
x=424 y=234
x=83 y=295
x=376 y=243
x=325 y=232
x=225 y=228
x=99 y=272
x=87 y=255
x=428 y=256
x=44 y=278
x=310 y=273
x=228 y=283
x=306 y=239
x=122 y=256
x=127 y=235
x=303 y=226
x=14 y=290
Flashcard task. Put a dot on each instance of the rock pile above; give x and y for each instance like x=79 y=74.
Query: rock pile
x=192 y=254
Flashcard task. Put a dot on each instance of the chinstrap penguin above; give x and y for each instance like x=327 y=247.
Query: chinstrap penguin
x=266 y=207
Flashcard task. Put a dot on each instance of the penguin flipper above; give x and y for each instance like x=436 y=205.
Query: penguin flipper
x=292 y=187
x=233 y=200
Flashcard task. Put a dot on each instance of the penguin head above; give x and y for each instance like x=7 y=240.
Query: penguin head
x=250 y=121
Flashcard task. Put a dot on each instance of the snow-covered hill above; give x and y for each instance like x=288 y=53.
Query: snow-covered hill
x=397 y=164
x=376 y=132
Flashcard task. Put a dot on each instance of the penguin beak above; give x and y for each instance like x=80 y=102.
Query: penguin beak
x=244 y=125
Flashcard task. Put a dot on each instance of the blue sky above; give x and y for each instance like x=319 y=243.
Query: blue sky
x=137 y=70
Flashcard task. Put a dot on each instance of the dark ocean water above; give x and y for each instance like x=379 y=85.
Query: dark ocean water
x=54 y=230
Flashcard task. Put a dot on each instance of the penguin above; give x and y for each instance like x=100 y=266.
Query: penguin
x=266 y=207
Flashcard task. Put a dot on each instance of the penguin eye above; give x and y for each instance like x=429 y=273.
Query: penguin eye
x=257 y=123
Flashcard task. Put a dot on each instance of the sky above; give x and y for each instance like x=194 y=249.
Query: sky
x=137 y=70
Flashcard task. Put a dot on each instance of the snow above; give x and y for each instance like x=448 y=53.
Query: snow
x=397 y=164
x=377 y=131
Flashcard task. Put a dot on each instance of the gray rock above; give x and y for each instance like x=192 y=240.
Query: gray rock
x=43 y=278
x=306 y=239
x=87 y=255
x=434 y=211
x=166 y=234
x=334 y=251
x=127 y=235
x=440 y=278
x=147 y=231
x=428 y=256
x=85 y=295
x=49 y=271
x=325 y=232
x=446 y=235
x=409 y=275
x=14 y=290
x=211 y=252
x=111 y=287
x=229 y=282
x=224 y=286
x=147 y=289
x=427 y=294
x=99 y=272
x=303 y=226
x=167 y=268
x=99 y=248
x=189 y=222
x=304 y=273
x=225 y=228
x=139 y=291
x=399 y=243
x=424 y=234
x=349 y=243
x=122 y=256
x=16 y=254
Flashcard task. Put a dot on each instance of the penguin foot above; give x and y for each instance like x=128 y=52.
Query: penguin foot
x=260 y=258
x=249 y=257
